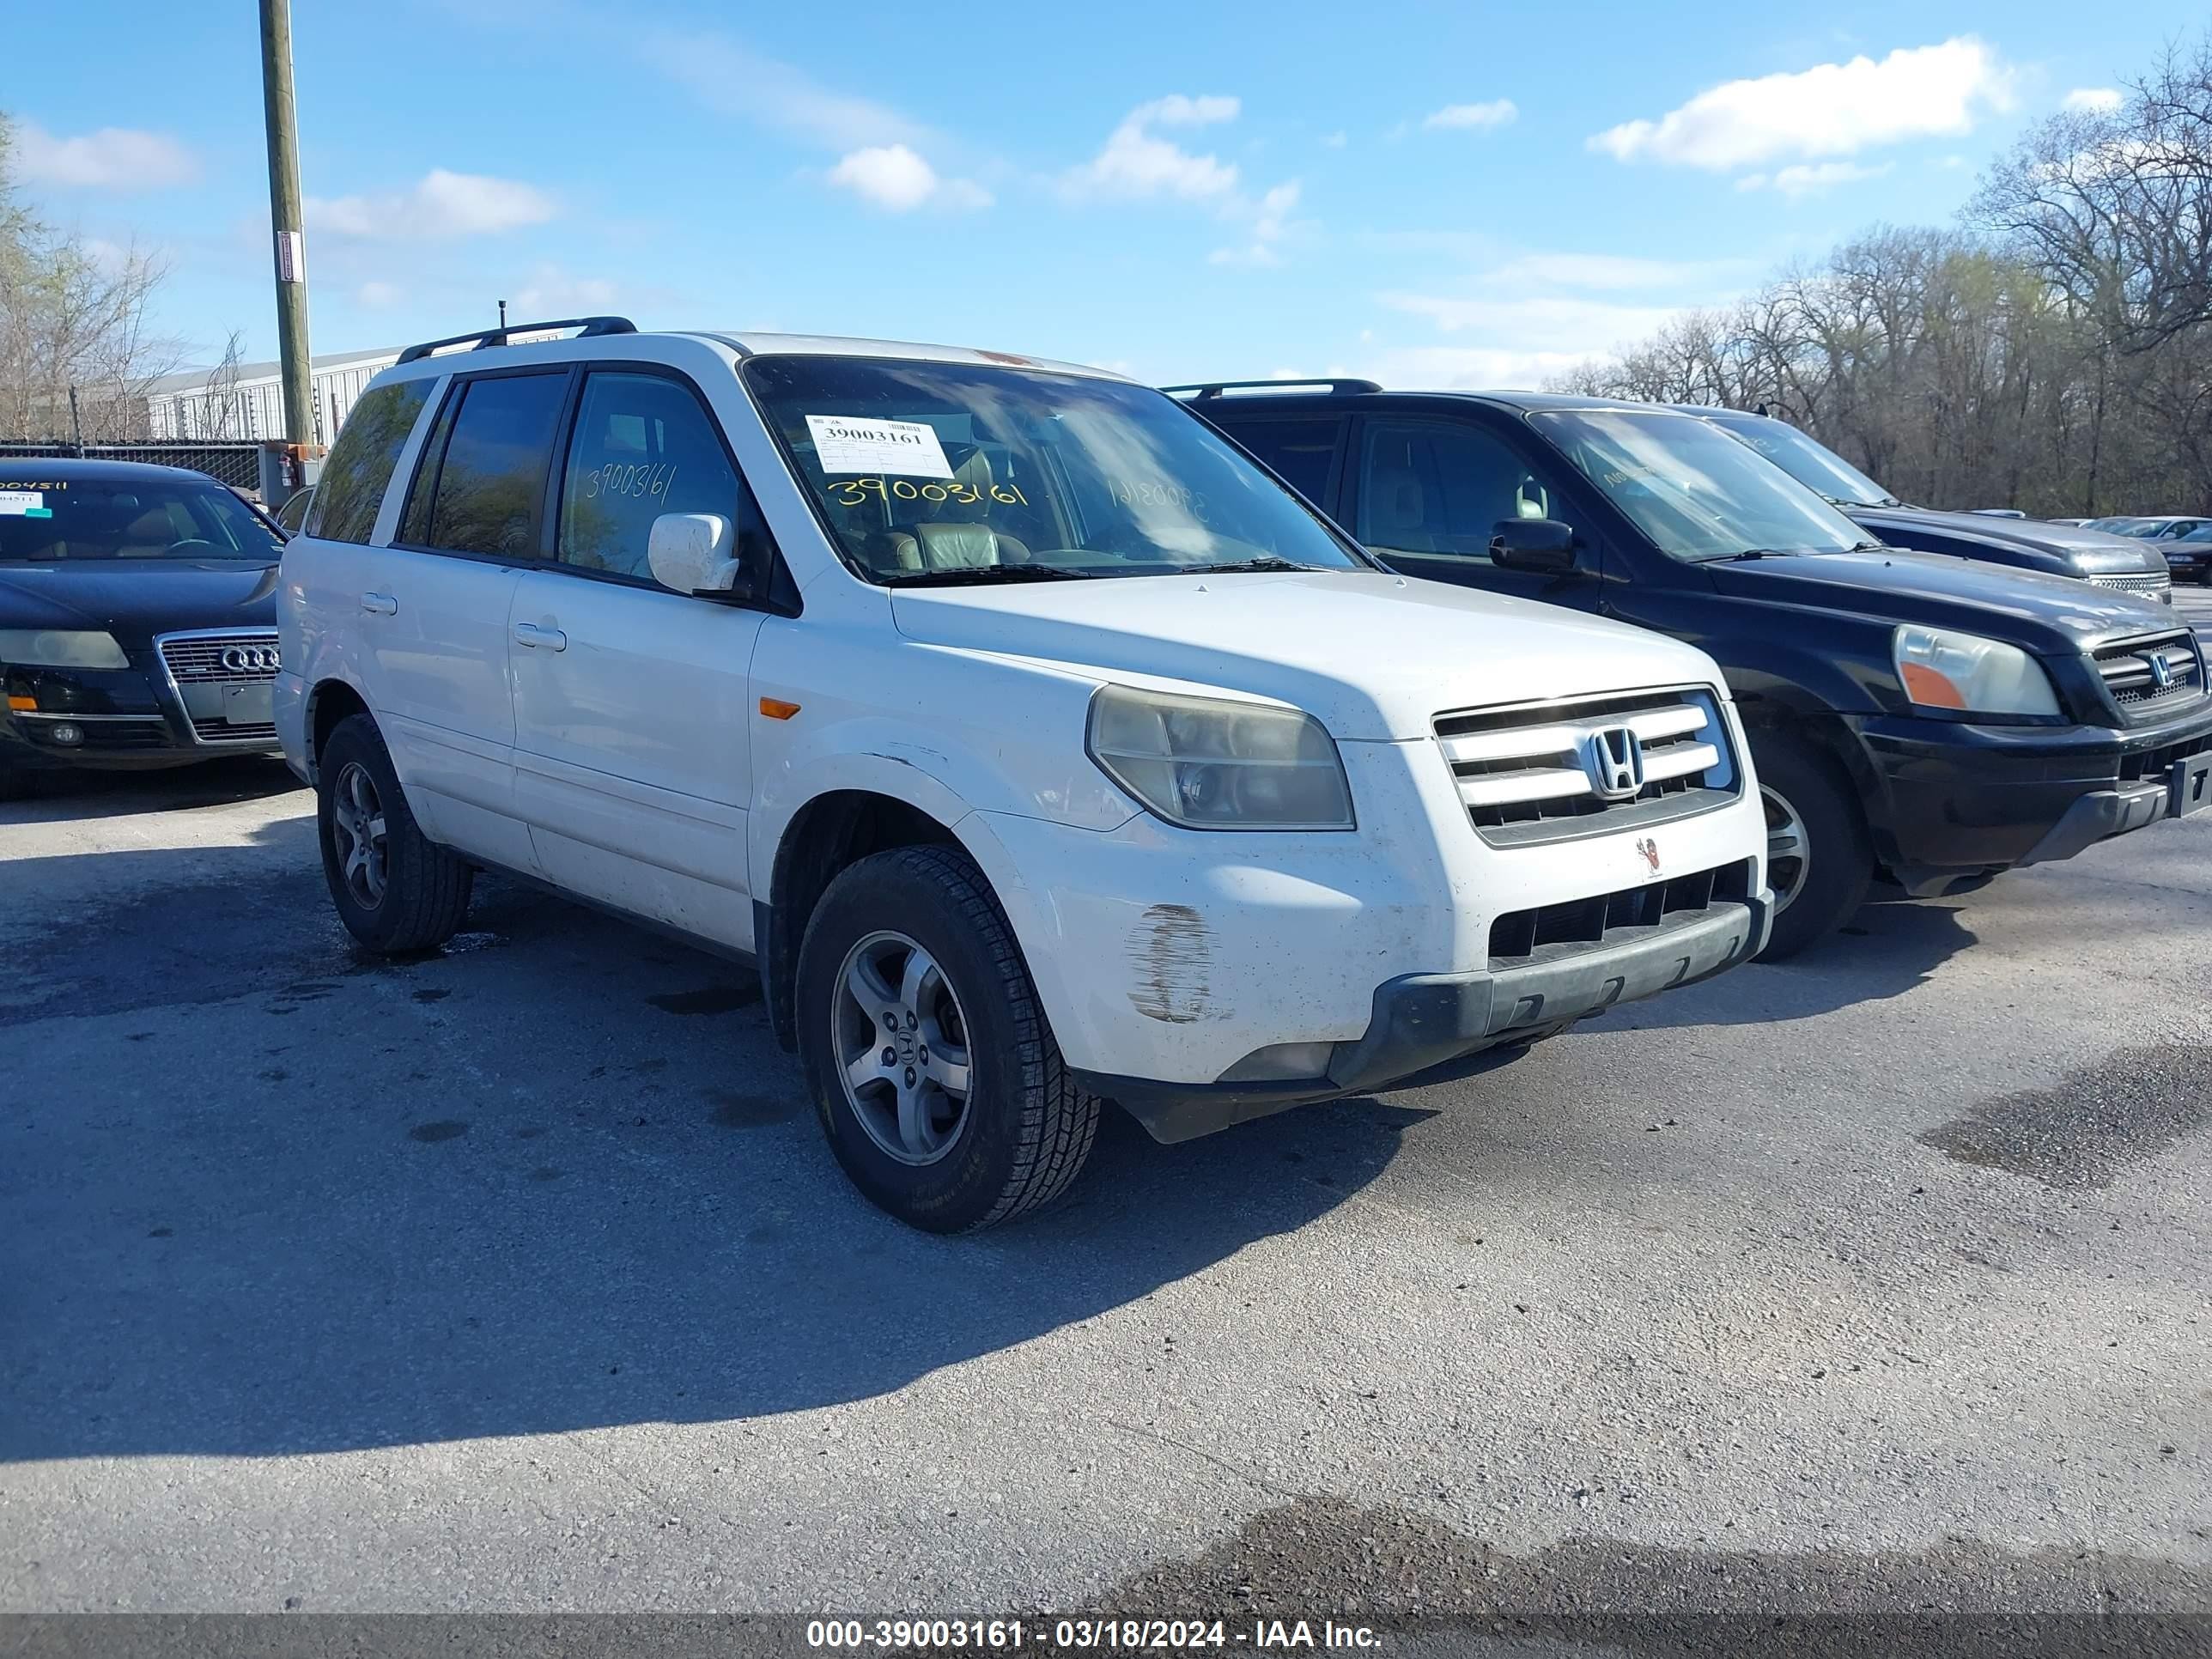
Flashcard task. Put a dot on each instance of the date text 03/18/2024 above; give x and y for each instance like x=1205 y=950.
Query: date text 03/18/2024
x=1086 y=1634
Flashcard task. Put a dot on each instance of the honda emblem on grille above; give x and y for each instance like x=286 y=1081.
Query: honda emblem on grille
x=2161 y=671
x=1613 y=758
x=1649 y=848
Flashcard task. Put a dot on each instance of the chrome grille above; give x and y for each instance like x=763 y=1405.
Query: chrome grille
x=1541 y=772
x=2149 y=584
x=2148 y=679
x=201 y=657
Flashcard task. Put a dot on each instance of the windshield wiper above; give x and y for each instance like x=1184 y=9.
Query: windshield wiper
x=1267 y=562
x=980 y=575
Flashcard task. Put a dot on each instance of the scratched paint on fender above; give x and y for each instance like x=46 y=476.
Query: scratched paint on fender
x=1172 y=955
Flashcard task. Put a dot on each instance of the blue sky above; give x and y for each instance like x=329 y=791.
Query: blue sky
x=1433 y=194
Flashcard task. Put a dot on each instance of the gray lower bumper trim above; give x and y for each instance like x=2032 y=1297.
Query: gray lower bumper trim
x=2098 y=816
x=1422 y=1020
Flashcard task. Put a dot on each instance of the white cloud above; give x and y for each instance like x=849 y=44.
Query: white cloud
x=735 y=79
x=113 y=158
x=1336 y=140
x=1604 y=271
x=1270 y=221
x=898 y=180
x=2094 y=100
x=1831 y=109
x=378 y=296
x=1500 y=111
x=550 y=291
x=1448 y=368
x=1137 y=163
x=441 y=207
x=1810 y=180
x=1562 y=322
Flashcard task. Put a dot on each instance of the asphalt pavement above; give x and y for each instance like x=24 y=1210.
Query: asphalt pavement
x=518 y=1277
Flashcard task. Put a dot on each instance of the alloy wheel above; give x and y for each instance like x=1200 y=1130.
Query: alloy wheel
x=357 y=833
x=902 y=1048
x=1789 y=849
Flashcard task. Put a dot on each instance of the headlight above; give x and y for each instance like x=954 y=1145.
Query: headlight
x=47 y=648
x=1972 y=675
x=1209 y=764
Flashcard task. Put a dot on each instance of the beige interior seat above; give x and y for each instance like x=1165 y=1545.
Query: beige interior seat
x=957 y=534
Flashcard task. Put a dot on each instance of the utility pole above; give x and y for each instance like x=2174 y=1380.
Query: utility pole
x=295 y=371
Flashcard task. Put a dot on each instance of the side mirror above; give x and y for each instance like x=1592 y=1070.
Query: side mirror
x=1541 y=547
x=690 y=553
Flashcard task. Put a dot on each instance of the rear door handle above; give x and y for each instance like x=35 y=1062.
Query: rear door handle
x=531 y=635
x=382 y=604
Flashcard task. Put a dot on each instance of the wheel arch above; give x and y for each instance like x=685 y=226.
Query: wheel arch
x=331 y=701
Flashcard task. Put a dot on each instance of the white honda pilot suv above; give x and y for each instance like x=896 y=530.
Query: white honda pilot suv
x=1041 y=746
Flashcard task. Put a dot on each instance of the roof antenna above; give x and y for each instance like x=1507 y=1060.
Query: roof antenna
x=503 y=316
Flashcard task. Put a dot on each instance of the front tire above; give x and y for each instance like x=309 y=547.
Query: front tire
x=396 y=889
x=933 y=1070
x=1819 y=859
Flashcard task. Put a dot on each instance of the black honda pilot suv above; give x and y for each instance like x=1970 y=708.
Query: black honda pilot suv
x=1923 y=720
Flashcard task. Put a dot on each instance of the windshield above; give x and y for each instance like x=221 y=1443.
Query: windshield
x=47 y=519
x=1695 y=491
x=944 y=472
x=1814 y=466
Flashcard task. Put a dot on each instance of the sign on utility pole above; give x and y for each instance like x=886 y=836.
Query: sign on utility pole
x=295 y=369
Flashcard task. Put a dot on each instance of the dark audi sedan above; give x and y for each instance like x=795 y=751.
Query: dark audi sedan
x=137 y=618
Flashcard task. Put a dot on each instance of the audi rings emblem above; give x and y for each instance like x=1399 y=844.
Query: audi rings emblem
x=250 y=658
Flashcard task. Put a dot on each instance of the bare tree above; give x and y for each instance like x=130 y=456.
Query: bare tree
x=73 y=316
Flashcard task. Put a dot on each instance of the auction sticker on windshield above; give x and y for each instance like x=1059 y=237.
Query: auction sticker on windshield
x=24 y=504
x=853 y=443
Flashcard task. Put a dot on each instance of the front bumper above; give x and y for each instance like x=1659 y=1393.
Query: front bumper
x=1951 y=802
x=1175 y=963
x=133 y=718
x=1421 y=1021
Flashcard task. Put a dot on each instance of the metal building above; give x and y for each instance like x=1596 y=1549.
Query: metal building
x=190 y=407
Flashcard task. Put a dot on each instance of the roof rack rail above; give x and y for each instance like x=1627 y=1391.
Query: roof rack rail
x=1215 y=388
x=586 y=327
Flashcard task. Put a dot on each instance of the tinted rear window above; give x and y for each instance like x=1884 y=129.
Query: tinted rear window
x=352 y=486
x=490 y=483
x=47 y=519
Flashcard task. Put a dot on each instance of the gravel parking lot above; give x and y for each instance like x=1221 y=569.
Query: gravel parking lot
x=518 y=1277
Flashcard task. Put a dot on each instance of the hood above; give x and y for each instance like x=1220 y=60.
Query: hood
x=2091 y=552
x=135 y=598
x=1372 y=655
x=2050 y=615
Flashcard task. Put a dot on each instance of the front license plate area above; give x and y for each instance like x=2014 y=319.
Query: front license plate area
x=250 y=704
x=2191 y=790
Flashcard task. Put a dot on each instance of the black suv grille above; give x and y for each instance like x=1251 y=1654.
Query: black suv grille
x=2149 y=679
x=1520 y=937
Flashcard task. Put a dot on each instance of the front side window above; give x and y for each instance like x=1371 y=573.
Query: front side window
x=1432 y=487
x=1696 y=492
x=482 y=494
x=347 y=496
x=642 y=447
x=1303 y=452
x=45 y=520
x=1814 y=466
x=935 y=472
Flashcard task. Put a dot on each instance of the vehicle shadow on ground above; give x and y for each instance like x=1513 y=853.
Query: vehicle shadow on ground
x=1890 y=948
x=69 y=797
x=490 y=1193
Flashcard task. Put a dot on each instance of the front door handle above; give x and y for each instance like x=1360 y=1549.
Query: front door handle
x=382 y=604
x=531 y=635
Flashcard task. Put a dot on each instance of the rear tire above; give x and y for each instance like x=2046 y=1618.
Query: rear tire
x=395 y=890
x=1820 y=857
x=908 y=949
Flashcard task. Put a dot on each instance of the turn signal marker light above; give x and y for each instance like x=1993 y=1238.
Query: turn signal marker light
x=22 y=705
x=777 y=709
